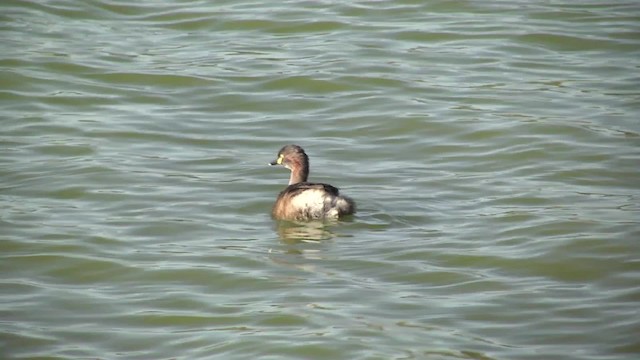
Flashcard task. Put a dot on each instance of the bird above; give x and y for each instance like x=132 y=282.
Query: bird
x=302 y=200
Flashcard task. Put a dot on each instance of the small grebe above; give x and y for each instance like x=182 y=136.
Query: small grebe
x=302 y=200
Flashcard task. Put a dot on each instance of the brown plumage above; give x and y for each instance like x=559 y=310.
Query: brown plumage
x=302 y=200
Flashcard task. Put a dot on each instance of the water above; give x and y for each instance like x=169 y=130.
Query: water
x=492 y=148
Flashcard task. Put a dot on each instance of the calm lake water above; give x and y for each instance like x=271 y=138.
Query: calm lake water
x=493 y=148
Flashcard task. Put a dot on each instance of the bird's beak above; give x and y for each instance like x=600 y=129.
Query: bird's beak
x=277 y=161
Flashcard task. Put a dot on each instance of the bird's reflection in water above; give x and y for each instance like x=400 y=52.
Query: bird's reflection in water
x=305 y=240
x=299 y=232
x=303 y=243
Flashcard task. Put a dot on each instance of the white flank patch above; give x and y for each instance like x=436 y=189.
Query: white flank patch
x=319 y=204
x=311 y=198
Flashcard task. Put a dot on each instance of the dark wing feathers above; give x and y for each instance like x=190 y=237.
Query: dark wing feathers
x=295 y=189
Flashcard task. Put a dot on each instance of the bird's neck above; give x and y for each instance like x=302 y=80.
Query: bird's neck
x=299 y=173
